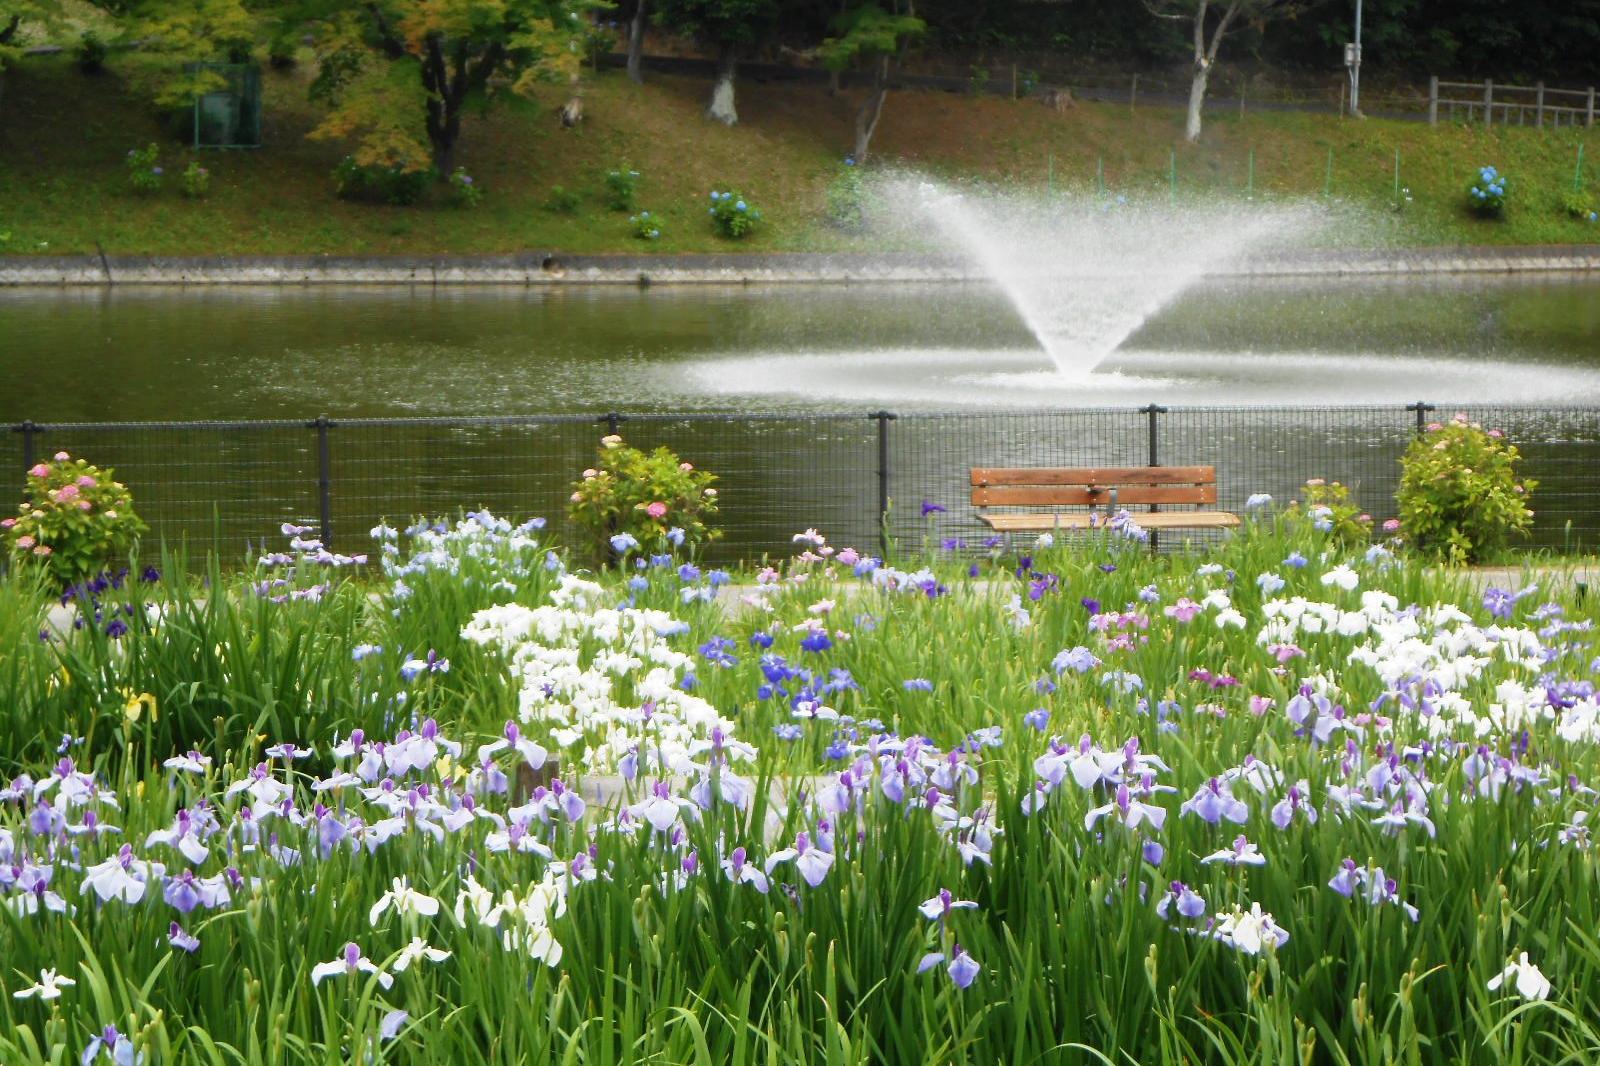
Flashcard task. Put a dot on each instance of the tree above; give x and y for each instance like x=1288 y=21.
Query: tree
x=182 y=32
x=400 y=74
x=872 y=34
x=15 y=15
x=1207 y=42
x=729 y=26
x=636 y=27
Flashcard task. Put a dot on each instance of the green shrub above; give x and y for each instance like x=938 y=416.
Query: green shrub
x=195 y=181
x=636 y=500
x=622 y=188
x=847 y=206
x=395 y=184
x=77 y=522
x=1487 y=195
x=465 y=191
x=91 y=52
x=977 y=80
x=562 y=201
x=1328 y=507
x=1460 y=497
x=144 y=168
x=732 y=215
x=646 y=226
x=1575 y=203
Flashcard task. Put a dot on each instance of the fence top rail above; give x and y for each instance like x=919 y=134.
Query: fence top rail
x=1501 y=87
x=625 y=418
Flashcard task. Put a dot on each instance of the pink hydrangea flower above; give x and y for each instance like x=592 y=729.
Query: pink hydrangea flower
x=38 y=470
x=656 y=510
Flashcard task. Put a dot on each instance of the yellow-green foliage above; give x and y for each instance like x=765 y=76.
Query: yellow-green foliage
x=1460 y=497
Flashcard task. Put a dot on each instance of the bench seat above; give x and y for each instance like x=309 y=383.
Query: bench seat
x=1044 y=523
x=1097 y=493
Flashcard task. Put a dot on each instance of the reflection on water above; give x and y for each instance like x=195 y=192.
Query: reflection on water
x=299 y=352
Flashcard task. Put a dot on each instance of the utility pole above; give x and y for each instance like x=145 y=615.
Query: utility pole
x=1352 y=60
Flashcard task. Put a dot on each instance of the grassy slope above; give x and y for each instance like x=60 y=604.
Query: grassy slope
x=63 y=136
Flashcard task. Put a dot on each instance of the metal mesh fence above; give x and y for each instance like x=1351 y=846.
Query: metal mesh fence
x=228 y=486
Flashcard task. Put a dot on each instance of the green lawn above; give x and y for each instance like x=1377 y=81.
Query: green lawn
x=63 y=136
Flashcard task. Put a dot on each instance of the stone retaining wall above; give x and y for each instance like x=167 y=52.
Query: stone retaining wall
x=551 y=268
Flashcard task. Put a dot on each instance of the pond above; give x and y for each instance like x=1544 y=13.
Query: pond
x=232 y=353
x=1314 y=373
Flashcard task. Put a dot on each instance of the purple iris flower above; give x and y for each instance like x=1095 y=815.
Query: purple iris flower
x=1188 y=902
x=929 y=508
x=817 y=640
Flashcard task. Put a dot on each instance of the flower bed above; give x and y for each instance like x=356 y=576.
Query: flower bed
x=1290 y=801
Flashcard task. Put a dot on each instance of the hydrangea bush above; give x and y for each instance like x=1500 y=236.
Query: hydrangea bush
x=636 y=501
x=1487 y=195
x=732 y=215
x=77 y=521
x=622 y=188
x=464 y=190
x=143 y=166
x=1328 y=507
x=1460 y=496
x=196 y=181
x=646 y=226
x=847 y=198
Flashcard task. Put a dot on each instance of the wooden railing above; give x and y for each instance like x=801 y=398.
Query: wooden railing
x=1515 y=104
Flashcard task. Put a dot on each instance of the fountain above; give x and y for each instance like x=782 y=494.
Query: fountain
x=1084 y=275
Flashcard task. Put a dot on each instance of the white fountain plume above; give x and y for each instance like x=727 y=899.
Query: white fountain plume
x=1085 y=274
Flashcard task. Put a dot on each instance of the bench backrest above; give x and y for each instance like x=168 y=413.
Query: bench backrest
x=1092 y=486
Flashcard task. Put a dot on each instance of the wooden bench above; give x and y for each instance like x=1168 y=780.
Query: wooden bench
x=1107 y=488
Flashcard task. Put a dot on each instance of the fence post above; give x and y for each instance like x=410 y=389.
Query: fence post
x=1154 y=411
x=1538 y=104
x=1488 y=102
x=883 y=418
x=1422 y=408
x=324 y=481
x=612 y=420
x=28 y=430
x=1133 y=94
x=1588 y=118
x=1433 y=100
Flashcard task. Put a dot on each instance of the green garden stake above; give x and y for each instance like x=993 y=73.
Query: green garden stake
x=1577 y=171
x=1397 y=175
x=1327 y=177
x=1100 y=174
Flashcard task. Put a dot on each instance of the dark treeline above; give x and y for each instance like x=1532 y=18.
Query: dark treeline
x=1502 y=39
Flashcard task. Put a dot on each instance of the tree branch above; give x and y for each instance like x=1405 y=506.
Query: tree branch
x=1222 y=28
x=392 y=45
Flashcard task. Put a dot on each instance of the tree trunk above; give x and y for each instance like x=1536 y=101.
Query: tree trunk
x=721 y=108
x=636 y=44
x=1197 y=98
x=872 y=109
